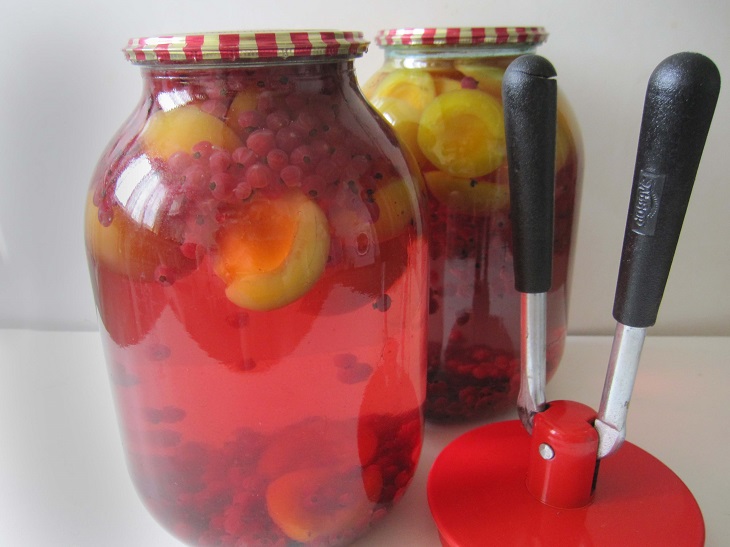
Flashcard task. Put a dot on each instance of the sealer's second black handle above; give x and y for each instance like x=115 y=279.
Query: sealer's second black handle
x=679 y=105
x=529 y=95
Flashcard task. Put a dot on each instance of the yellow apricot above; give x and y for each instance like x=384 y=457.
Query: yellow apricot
x=397 y=204
x=318 y=502
x=465 y=195
x=416 y=87
x=181 y=128
x=444 y=84
x=566 y=140
x=243 y=101
x=404 y=118
x=462 y=133
x=272 y=250
x=488 y=78
x=128 y=248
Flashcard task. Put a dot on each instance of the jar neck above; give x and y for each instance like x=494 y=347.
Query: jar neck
x=430 y=56
x=218 y=80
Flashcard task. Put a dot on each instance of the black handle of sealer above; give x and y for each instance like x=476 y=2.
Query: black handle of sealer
x=529 y=95
x=679 y=105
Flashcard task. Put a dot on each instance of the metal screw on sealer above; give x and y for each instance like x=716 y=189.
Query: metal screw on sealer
x=556 y=446
x=679 y=105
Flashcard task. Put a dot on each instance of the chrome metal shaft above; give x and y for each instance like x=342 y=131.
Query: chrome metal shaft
x=622 y=367
x=531 y=397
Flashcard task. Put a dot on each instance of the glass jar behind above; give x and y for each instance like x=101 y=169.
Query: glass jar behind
x=256 y=248
x=441 y=91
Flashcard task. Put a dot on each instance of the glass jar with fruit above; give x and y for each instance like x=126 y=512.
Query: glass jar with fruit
x=256 y=249
x=441 y=91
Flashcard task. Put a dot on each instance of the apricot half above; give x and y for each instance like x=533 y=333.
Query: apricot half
x=272 y=250
x=488 y=78
x=317 y=502
x=181 y=128
x=397 y=207
x=467 y=195
x=462 y=132
x=242 y=102
x=416 y=87
x=127 y=248
x=403 y=117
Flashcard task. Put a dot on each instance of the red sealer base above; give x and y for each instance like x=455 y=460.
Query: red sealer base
x=478 y=496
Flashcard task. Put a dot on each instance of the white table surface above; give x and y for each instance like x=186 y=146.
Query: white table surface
x=63 y=481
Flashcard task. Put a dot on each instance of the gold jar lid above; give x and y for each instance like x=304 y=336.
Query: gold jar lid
x=245 y=45
x=461 y=36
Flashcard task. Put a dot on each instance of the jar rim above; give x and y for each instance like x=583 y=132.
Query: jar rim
x=197 y=48
x=460 y=36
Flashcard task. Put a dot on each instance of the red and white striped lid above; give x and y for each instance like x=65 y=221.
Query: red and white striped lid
x=460 y=36
x=246 y=45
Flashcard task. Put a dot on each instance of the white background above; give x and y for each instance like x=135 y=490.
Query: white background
x=65 y=88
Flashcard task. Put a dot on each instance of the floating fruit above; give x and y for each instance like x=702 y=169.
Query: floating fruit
x=273 y=250
x=462 y=133
x=404 y=118
x=416 y=87
x=467 y=195
x=315 y=503
x=245 y=341
x=397 y=208
x=244 y=101
x=487 y=78
x=564 y=141
x=128 y=248
x=181 y=128
x=443 y=84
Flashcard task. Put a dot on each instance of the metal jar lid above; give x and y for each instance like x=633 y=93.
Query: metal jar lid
x=460 y=36
x=245 y=45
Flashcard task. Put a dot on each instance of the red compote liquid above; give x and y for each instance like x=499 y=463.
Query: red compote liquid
x=256 y=249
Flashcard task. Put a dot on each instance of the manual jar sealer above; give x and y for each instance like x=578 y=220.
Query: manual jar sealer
x=563 y=474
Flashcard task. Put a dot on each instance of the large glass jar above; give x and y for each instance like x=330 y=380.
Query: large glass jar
x=441 y=91
x=255 y=241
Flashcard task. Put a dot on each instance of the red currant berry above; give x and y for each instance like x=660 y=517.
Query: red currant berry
x=303 y=157
x=250 y=120
x=307 y=123
x=288 y=138
x=191 y=250
x=469 y=83
x=179 y=162
x=219 y=161
x=221 y=185
x=215 y=107
x=359 y=164
x=291 y=175
x=320 y=148
x=194 y=177
x=277 y=159
x=164 y=275
x=277 y=119
x=202 y=150
x=243 y=190
x=328 y=170
x=105 y=214
x=243 y=156
x=313 y=185
x=261 y=141
x=260 y=176
x=266 y=102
